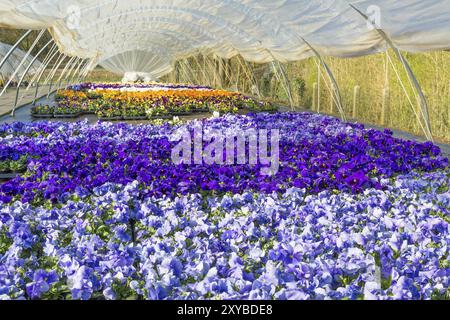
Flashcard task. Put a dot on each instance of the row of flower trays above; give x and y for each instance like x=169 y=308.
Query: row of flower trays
x=35 y=113
x=146 y=101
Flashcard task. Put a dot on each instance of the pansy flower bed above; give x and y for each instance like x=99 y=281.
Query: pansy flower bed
x=142 y=101
x=103 y=213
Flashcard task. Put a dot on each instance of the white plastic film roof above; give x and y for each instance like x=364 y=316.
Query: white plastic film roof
x=14 y=61
x=148 y=36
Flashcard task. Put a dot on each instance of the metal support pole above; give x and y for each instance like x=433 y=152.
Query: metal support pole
x=205 y=77
x=70 y=71
x=85 y=71
x=73 y=75
x=81 y=71
x=13 y=48
x=238 y=74
x=41 y=74
x=184 y=70
x=191 y=73
x=66 y=67
x=335 y=87
x=226 y=68
x=421 y=99
x=24 y=74
x=23 y=61
x=249 y=75
x=89 y=67
x=287 y=83
x=212 y=66
x=52 y=74
x=77 y=72
x=50 y=55
x=253 y=78
x=319 y=74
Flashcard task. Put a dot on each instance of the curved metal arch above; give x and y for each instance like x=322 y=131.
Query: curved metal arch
x=50 y=77
x=162 y=51
x=79 y=71
x=159 y=51
x=331 y=77
x=48 y=57
x=198 y=28
x=42 y=73
x=25 y=73
x=144 y=40
x=14 y=47
x=169 y=33
x=422 y=100
x=232 y=28
x=76 y=63
x=245 y=10
x=127 y=50
x=23 y=61
x=220 y=22
x=13 y=61
x=73 y=76
x=67 y=70
x=58 y=63
x=157 y=72
x=66 y=67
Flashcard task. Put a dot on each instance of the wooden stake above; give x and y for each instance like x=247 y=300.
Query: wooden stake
x=385 y=106
x=315 y=105
x=332 y=99
x=356 y=100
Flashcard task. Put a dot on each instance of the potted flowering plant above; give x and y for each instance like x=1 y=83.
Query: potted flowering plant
x=110 y=112
x=157 y=112
x=181 y=109
x=134 y=113
x=67 y=111
x=200 y=107
x=91 y=106
x=222 y=108
x=94 y=95
x=259 y=106
x=42 y=111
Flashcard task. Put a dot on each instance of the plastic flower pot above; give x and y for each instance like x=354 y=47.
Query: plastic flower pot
x=161 y=117
x=110 y=118
x=42 y=115
x=181 y=113
x=67 y=115
x=204 y=110
x=135 y=118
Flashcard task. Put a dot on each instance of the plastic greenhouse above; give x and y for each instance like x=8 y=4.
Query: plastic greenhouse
x=226 y=160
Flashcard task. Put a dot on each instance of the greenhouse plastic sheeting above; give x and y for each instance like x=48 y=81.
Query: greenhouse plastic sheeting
x=139 y=62
x=260 y=30
x=14 y=61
